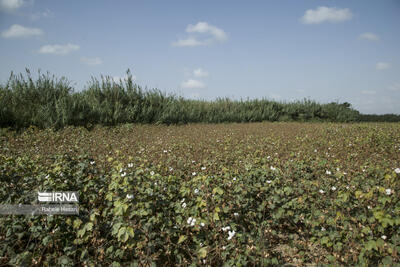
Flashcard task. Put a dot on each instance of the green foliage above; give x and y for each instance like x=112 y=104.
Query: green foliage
x=50 y=102
x=379 y=118
x=234 y=205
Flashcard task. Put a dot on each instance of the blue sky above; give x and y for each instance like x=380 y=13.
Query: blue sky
x=323 y=50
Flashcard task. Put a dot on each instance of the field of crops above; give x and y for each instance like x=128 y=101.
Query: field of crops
x=205 y=194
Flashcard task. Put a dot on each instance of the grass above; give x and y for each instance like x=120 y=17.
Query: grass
x=51 y=102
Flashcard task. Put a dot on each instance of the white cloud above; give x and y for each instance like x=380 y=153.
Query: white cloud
x=58 y=49
x=18 y=31
x=92 y=61
x=10 y=5
x=368 y=92
x=45 y=14
x=217 y=34
x=369 y=36
x=395 y=87
x=326 y=14
x=382 y=65
x=189 y=42
x=192 y=84
x=200 y=73
x=204 y=27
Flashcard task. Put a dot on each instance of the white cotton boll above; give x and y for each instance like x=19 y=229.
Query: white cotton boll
x=226 y=228
x=231 y=234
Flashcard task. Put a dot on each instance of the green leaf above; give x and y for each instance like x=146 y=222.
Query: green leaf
x=130 y=232
x=218 y=191
x=202 y=252
x=324 y=240
x=89 y=226
x=371 y=245
x=77 y=223
x=116 y=228
x=182 y=238
x=65 y=261
x=123 y=234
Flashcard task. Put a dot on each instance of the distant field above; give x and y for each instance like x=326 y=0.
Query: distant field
x=289 y=192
